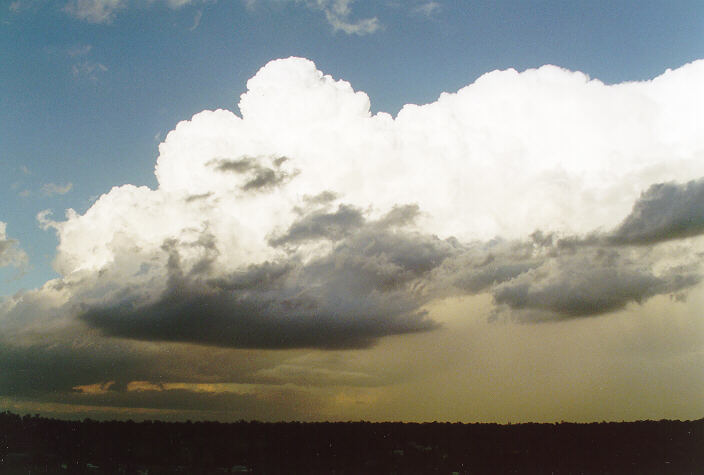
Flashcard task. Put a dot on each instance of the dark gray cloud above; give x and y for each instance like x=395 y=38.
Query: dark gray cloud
x=591 y=282
x=255 y=321
x=321 y=198
x=665 y=211
x=373 y=281
x=257 y=176
x=381 y=261
x=268 y=275
x=322 y=225
x=30 y=370
x=480 y=266
x=63 y=371
x=202 y=196
x=400 y=216
x=45 y=350
x=574 y=276
x=369 y=285
x=372 y=278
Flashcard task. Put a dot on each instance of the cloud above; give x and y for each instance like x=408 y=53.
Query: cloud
x=178 y=3
x=51 y=360
x=427 y=9
x=338 y=14
x=50 y=189
x=196 y=20
x=592 y=282
x=258 y=177
x=359 y=291
x=480 y=266
x=79 y=50
x=547 y=277
x=321 y=224
x=95 y=11
x=105 y=11
x=665 y=211
x=10 y=252
x=86 y=372
x=17 y=6
x=88 y=70
x=83 y=66
x=43 y=348
x=310 y=223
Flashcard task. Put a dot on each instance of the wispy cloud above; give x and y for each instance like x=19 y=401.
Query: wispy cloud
x=427 y=9
x=338 y=14
x=51 y=189
x=196 y=20
x=84 y=66
x=79 y=50
x=105 y=11
x=88 y=69
x=20 y=5
x=95 y=11
x=178 y=3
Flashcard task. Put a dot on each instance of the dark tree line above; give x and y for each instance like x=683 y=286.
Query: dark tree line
x=33 y=444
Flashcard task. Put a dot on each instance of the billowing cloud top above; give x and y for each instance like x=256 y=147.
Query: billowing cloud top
x=310 y=222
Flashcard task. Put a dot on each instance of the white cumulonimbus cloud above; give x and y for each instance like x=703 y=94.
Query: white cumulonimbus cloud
x=310 y=222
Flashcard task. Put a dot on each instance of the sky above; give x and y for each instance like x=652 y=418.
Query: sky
x=486 y=211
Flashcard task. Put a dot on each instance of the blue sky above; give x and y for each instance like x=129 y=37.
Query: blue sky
x=583 y=197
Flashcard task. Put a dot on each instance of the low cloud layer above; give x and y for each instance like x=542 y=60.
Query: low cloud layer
x=591 y=283
x=361 y=289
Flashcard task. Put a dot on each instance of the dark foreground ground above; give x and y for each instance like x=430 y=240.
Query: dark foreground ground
x=38 y=445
